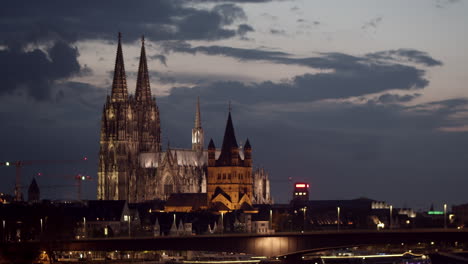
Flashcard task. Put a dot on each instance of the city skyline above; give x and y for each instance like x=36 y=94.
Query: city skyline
x=358 y=99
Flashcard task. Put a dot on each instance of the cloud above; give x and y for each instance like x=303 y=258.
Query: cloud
x=372 y=24
x=39 y=40
x=326 y=60
x=244 y=29
x=410 y=55
x=158 y=20
x=396 y=98
x=313 y=87
x=445 y=3
x=177 y=78
x=35 y=71
x=277 y=31
x=345 y=75
x=230 y=13
x=161 y=58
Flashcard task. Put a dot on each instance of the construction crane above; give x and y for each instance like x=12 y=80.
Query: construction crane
x=79 y=178
x=20 y=163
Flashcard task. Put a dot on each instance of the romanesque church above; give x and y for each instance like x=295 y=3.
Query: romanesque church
x=133 y=166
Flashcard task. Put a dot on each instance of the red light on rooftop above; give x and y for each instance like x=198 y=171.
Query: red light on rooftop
x=85 y=158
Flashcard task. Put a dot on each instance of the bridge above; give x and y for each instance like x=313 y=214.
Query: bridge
x=279 y=244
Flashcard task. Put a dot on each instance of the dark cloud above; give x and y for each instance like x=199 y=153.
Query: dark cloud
x=35 y=71
x=28 y=68
x=67 y=129
x=410 y=55
x=196 y=78
x=244 y=29
x=313 y=87
x=330 y=60
x=229 y=13
x=347 y=75
x=161 y=58
x=158 y=20
x=396 y=98
x=277 y=31
x=369 y=149
x=243 y=54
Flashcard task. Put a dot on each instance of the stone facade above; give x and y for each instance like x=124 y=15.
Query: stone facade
x=132 y=165
x=229 y=182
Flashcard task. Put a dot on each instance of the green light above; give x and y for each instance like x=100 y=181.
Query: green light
x=7 y=163
x=435 y=212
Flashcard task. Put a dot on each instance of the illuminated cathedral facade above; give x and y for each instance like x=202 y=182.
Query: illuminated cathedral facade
x=133 y=166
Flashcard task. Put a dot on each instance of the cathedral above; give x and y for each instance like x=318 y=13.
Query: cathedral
x=133 y=166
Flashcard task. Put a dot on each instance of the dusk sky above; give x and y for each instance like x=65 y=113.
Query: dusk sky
x=362 y=98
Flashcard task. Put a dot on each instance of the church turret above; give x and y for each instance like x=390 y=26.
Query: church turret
x=211 y=153
x=247 y=154
x=119 y=84
x=197 y=130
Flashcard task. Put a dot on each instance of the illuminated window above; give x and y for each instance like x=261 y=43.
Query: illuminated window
x=125 y=218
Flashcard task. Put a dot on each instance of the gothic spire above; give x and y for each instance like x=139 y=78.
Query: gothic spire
x=143 y=90
x=197 y=131
x=119 y=84
x=229 y=143
x=197 y=115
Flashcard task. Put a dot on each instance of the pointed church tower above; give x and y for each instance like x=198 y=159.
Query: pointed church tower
x=197 y=130
x=119 y=83
x=143 y=90
x=119 y=139
x=148 y=122
x=229 y=183
x=34 y=194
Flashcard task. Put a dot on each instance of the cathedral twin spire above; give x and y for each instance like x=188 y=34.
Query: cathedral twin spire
x=143 y=90
x=119 y=83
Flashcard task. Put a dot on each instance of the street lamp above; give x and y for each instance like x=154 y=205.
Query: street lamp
x=84 y=227
x=391 y=217
x=445 y=215
x=305 y=211
x=338 y=217
x=4 y=232
x=222 y=222
x=271 y=219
